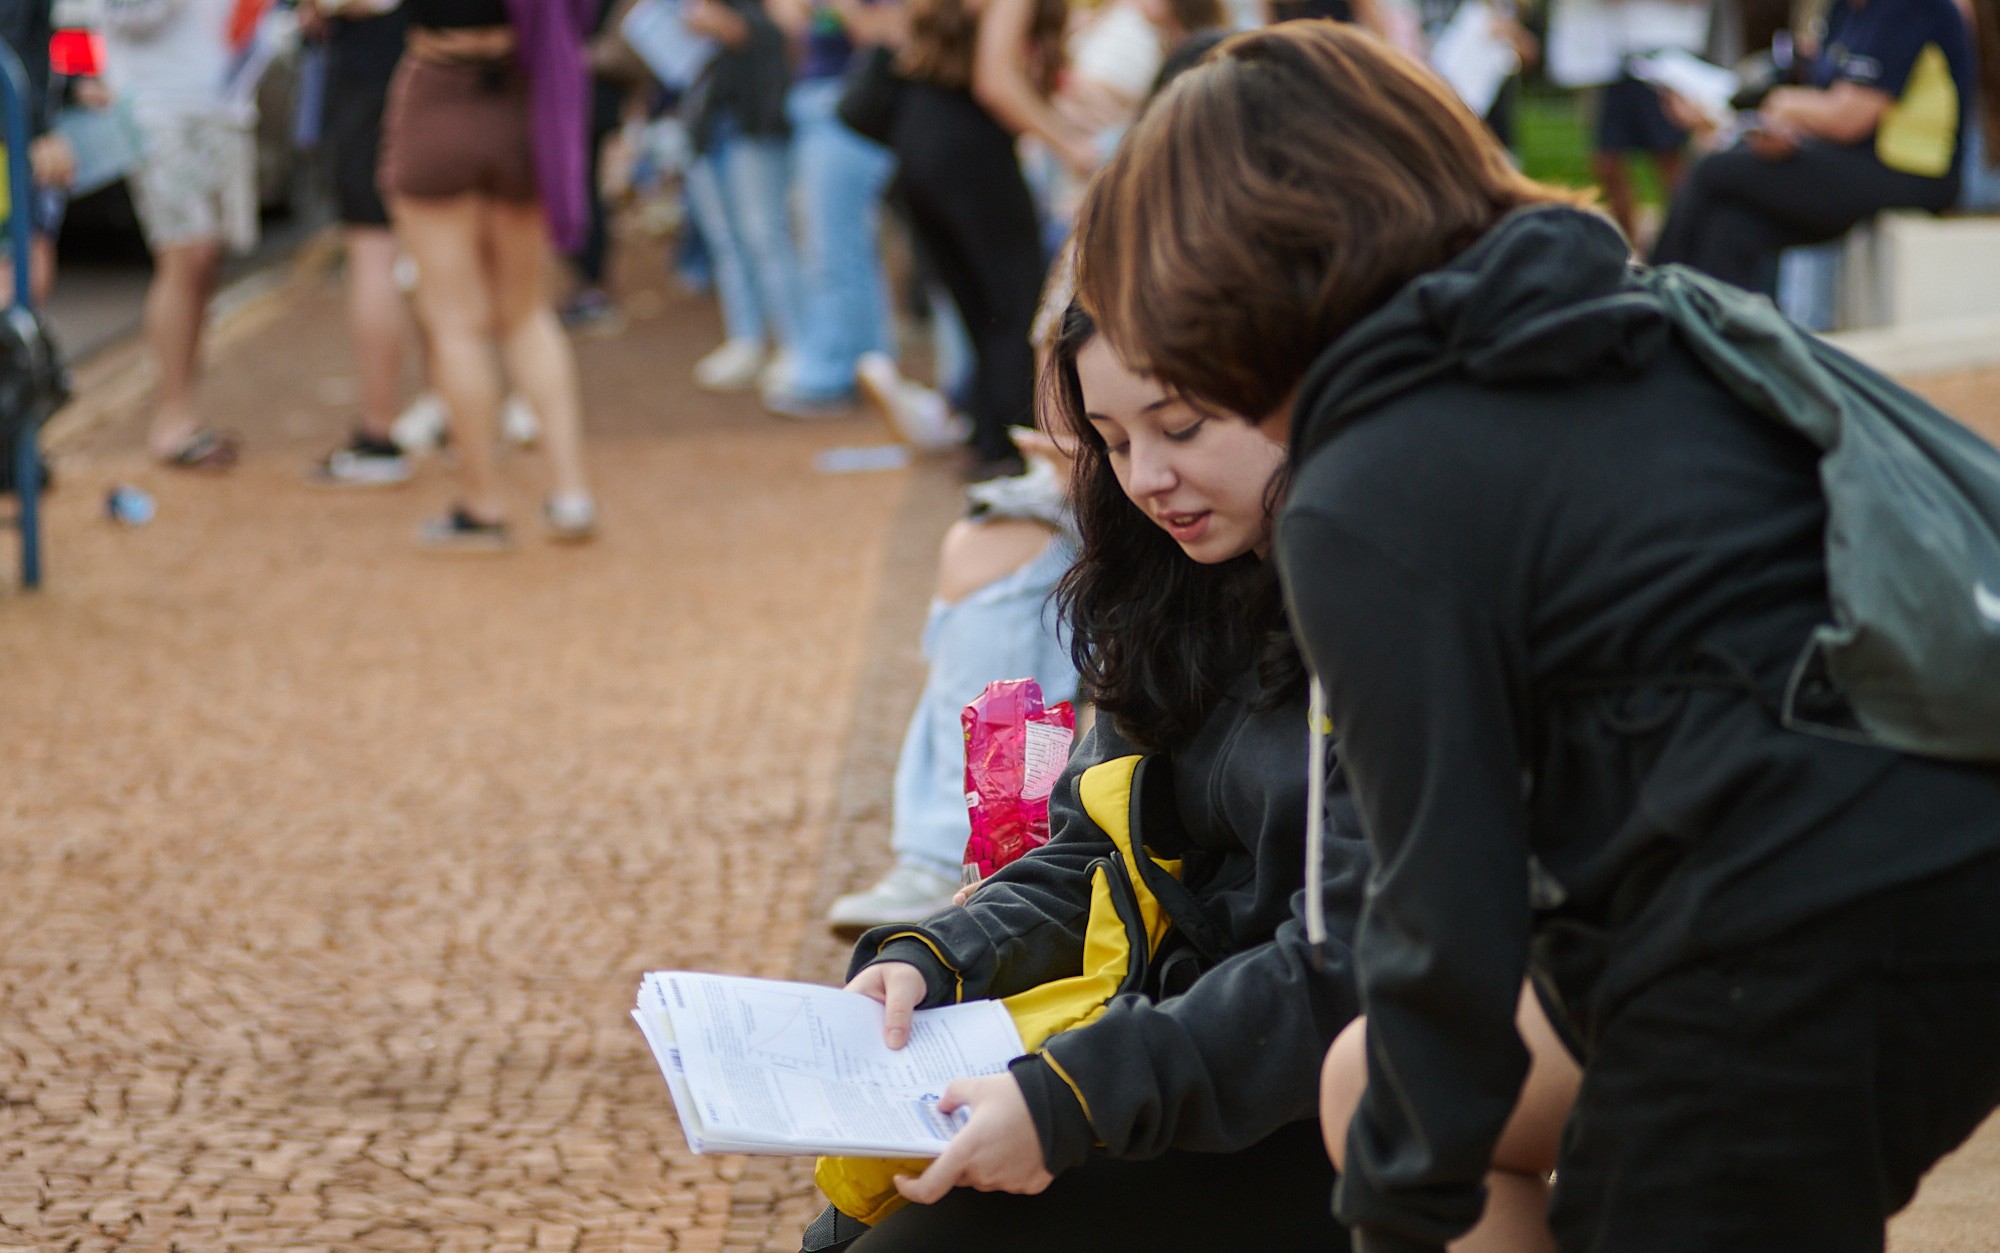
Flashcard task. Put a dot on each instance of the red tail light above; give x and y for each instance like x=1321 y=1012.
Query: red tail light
x=76 y=53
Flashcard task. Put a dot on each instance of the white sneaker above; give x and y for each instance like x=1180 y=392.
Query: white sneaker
x=914 y=413
x=908 y=893
x=421 y=427
x=570 y=519
x=776 y=376
x=518 y=424
x=732 y=367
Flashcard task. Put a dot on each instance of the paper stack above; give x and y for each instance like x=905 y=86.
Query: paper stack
x=763 y=1066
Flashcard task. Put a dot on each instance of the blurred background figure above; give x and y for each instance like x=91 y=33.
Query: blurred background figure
x=475 y=195
x=739 y=187
x=992 y=616
x=364 y=44
x=1591 y=44
x=25 y=25
x=195 y=190
x=840 y=178
x=1873 y=122
x=978 y=76
x=614 y=75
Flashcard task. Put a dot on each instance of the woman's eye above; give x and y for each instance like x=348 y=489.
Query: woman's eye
x=1186 y=433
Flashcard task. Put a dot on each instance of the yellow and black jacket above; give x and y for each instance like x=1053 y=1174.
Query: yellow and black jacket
x=1209 y=1025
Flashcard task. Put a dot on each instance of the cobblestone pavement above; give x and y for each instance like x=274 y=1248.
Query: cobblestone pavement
x=330 y=868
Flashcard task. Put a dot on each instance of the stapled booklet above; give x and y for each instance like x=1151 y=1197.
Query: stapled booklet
x=766 y=1066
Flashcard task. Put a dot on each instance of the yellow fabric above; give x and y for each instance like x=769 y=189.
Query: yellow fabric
x=958 y=981
x=864 y=1188
x=1920 y=131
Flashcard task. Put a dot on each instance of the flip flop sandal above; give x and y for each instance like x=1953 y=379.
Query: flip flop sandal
x=205 y=450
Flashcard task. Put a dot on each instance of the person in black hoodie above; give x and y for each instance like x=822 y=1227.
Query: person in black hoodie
x=1185 y=1115
x=1168 y=1123
x=1553 y=577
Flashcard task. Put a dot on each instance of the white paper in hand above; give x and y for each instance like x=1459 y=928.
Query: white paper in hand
x=762 y=1066
x=1707 y=87
x=1471 y=55
x=657 y=31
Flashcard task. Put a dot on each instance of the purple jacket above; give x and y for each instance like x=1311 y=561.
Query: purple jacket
x=549 y=41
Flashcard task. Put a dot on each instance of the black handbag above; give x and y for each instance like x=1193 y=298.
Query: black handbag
x=870 y=93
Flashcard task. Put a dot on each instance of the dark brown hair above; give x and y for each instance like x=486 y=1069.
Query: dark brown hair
x=944 y=33
x=1195 y=15
x=1272 y=197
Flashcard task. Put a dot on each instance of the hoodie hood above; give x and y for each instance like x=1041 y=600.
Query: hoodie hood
x=1544 y=296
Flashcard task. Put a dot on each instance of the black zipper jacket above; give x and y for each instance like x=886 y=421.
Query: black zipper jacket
x=1554 y=577
x=1210 y=1057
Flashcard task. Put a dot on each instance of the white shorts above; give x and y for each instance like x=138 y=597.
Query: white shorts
x=196 y=182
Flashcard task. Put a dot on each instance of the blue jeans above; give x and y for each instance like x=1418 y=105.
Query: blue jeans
x=739 y=192
x=1979 y=182
x=841 y=179
x=1005 y=630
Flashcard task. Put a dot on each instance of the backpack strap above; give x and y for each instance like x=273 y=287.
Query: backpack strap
x=1156 y=821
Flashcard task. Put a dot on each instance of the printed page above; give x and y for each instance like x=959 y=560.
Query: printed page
x=651 y=1015
x=804 y=1066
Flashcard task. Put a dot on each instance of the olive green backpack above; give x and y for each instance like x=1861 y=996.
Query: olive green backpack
x=1912 y=530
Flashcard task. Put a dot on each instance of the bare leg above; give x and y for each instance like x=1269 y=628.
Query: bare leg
x=1616 y=181
x=1517 y=1186
x=445 y=237
x=539 y=360
x=176 y=310
x=975 y=554
x=376 y=324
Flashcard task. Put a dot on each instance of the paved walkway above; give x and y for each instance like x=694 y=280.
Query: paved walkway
x=331 y=867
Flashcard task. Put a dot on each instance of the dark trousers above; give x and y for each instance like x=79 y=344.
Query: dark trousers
x=606 y=101
x=1738 y=211
x=1790 y=1098
x=971 y=210
x=1273 y=1197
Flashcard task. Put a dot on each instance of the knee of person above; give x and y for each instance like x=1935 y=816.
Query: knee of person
x=1341 y=1079
x=977 y=554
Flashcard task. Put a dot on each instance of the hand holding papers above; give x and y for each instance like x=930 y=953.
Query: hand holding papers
x=762 y=1066
x=1707 y=87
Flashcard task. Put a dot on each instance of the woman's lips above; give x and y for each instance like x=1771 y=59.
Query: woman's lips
x=1185 y=528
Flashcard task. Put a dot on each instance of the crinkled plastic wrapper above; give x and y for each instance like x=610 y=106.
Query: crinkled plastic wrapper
x=1014 y=751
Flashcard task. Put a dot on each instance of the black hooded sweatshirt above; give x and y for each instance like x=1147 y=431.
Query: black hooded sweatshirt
x=1554 y=577
x=1211 y=1055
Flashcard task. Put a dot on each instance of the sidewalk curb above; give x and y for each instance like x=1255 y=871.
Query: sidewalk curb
x=116 y=380
x=1923 y=349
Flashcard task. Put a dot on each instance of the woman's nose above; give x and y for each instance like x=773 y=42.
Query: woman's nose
x=1152 y=472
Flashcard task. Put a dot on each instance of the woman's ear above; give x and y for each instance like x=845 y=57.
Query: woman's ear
x=1276 y=425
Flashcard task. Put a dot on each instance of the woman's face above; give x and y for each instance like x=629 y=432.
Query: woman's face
x=1202 y=476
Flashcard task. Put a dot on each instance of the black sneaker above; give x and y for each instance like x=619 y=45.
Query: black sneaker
x=460 y=532
x=364 y=462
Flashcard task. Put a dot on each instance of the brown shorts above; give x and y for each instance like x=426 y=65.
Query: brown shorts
x=455 y=130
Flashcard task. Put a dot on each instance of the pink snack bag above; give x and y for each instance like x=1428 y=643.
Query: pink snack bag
x=1014 y=751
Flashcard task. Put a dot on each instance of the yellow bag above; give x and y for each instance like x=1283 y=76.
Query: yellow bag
x=1121 y=908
